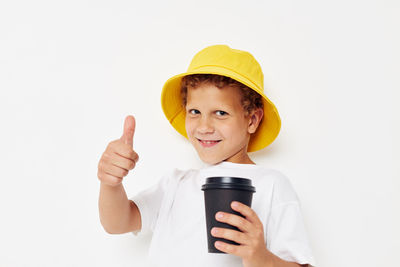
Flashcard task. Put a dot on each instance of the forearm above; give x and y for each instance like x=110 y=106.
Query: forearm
x=268 y=259
x=275 y=261
x=114 y=208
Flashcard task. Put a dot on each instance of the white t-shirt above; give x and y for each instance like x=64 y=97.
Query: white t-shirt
x=174 y=211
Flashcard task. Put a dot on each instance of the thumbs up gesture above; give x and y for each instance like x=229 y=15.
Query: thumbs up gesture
x=119 y=156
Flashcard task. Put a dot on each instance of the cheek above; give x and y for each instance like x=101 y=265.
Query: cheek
x=189 y=126
x=231 y=130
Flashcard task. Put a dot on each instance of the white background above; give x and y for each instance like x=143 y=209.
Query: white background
x=70 y=71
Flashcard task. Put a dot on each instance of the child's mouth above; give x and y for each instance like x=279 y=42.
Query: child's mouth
x=208 y=143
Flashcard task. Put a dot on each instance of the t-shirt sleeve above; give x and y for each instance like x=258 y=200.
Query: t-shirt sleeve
x=286 y=232
x=149 y=202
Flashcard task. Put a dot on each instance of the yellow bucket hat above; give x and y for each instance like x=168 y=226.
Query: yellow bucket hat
x=236 y=64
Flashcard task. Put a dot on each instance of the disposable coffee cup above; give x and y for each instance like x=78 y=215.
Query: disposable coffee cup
x=219 y=192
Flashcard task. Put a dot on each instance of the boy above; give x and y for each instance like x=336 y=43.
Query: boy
x=219 y=105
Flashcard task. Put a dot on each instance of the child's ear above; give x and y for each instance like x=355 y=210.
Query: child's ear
x=255 y=119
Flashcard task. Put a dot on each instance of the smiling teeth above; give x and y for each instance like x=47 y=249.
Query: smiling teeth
x=209 y=142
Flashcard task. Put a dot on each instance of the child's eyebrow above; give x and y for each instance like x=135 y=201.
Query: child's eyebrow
x=224 y=107
x=221 y=106
x=187 y=107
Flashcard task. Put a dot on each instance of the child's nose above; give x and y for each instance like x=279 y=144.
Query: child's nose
x=205 y=126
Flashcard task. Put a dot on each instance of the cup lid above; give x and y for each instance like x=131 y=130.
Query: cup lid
x=228 y=182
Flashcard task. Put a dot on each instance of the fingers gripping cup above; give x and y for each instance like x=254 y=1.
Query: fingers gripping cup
x=219 y=192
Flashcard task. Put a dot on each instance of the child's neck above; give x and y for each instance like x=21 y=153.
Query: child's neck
x=242 y=158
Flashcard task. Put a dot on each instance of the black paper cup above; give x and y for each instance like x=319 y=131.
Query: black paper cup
x=219 y=192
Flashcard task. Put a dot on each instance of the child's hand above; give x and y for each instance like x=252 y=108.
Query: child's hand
x=119 y=156
x=252 y=247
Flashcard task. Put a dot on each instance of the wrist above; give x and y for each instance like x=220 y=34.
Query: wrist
x=269 y=259
x=264 y=259
x=110 y=187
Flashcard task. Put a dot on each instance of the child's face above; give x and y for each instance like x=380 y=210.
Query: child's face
x=216 y=124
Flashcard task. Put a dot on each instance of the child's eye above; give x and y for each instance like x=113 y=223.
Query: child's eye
x=194 y=111
x=221 y=113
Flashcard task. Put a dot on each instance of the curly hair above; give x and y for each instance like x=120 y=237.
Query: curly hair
x=250 y=99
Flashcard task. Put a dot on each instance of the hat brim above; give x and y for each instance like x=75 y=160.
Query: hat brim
x=172 y=107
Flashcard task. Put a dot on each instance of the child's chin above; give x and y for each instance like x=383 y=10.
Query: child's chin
x=210 y=160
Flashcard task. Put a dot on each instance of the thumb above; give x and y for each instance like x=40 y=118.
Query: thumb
x=129 y=130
